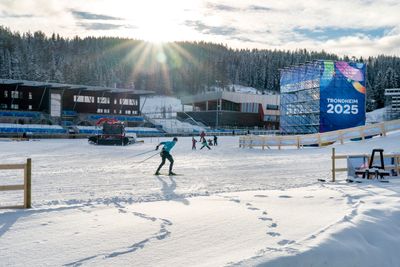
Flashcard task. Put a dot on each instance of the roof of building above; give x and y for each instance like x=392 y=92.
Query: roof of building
x=74 y=86
x=231 y=96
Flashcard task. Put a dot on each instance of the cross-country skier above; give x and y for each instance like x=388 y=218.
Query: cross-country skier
x=204 y=143
x=167 y=146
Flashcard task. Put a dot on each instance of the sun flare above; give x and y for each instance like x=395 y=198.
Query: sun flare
x=160 y=21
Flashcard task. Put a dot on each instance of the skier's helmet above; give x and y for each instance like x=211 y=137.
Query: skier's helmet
x=175 y=139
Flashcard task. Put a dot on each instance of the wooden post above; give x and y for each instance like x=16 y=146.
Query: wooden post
x=383 y=129
x=319 y=140
x=279 y=143
x=362 y=133
x=298 y=142
x=341 y=137
x=27 y=184
x=333 y=164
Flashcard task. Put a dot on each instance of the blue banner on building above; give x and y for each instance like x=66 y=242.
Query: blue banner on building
x=342 y=95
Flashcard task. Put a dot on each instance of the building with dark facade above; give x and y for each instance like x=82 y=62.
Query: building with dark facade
x=392 y=103
x=66 y=103
x=234 y=109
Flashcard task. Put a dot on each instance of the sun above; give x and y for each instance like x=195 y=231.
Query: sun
x=161 y=21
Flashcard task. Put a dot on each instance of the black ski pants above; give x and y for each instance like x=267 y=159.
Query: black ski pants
x=166 y=155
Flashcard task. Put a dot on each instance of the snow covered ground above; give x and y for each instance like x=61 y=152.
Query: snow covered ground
x=103 y=206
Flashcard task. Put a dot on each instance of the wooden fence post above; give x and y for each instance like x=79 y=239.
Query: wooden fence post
x=341 y=137
x=383 y=129
x=27 y=184
x=333 y=164
x=362 y=133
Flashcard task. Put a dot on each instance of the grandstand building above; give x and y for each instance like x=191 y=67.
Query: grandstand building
x=31 y=102
x=233 y=109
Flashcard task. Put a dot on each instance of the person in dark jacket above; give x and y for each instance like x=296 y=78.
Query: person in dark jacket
x=215 y=140
x=167 y=146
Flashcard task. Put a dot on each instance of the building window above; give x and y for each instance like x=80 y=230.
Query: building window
x=30 y=107
x=99 y=110
x=15 y=94
x=30 y=95
x=128 y=102
x=83 y=99
x=14 y=106
x=5 y=94
x=270 y=118
x=3 y=106
x=115 y=101
x=103 y=100
x=106 y=110
x=134 y=112
x=272 y=107
x=128 y=112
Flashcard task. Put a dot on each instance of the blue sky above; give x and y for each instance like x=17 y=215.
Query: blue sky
x=353 y=27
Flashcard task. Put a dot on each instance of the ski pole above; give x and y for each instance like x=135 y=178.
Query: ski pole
x=146 y=158
x=142 y=153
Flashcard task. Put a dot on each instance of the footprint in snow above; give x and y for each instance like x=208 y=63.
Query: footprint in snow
x=260 y=196
x=308 y=196
x=273 y=234
x=285 y=242
x=253 y=208
x=285 y=196
x=265 y=219
x=121 y=211
x=273 y=225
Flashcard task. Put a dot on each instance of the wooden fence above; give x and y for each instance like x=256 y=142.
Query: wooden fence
x=319 y=139
x=27 y=167
x=395 y=166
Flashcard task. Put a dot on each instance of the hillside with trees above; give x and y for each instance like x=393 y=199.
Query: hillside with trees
x=177 y=68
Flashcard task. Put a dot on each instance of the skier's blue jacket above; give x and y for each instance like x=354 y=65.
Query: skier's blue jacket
x=168 y=145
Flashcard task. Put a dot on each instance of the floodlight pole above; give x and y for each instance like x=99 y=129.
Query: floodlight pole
x=217 y=112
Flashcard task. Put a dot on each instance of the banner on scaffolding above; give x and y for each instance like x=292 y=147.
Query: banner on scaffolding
x=342 y=95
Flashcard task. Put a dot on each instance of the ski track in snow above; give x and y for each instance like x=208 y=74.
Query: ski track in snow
x=96 y=176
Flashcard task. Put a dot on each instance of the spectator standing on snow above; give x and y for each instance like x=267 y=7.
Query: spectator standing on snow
x=167 y=146
x=194 y=141
x=215 y=140
x=204 y=143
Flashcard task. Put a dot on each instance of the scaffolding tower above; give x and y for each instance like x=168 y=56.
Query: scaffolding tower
x=302 y=109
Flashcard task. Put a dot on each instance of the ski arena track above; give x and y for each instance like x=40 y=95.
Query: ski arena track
x=96 y=205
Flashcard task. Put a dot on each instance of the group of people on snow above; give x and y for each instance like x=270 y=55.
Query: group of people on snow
x=204 y=142
x=168 y=145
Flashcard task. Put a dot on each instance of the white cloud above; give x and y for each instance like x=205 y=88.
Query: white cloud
x=252 y=23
